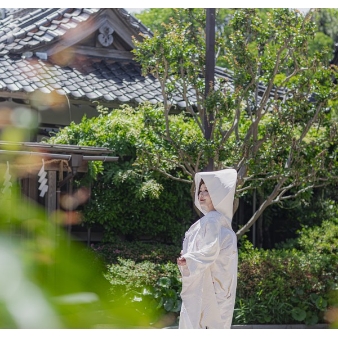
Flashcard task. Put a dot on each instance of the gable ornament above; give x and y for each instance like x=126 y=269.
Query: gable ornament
x=105 y=36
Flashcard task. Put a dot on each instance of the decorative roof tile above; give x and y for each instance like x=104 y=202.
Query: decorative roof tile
x=28 y=89
x=138 y=100
x=55 y=85
x=45 y=89
x=123 y=98
x=109 y=97
x=8 y=80
x=13 y=87
x=92 y=95
x=76 y=94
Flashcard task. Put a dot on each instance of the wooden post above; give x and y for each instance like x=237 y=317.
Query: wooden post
x=51 y=193
x=33 y=187
x=209 y=75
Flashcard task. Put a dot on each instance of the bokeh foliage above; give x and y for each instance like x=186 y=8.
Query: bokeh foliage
x=47 y=281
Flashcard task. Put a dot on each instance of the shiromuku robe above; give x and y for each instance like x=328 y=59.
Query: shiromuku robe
x=209 y=278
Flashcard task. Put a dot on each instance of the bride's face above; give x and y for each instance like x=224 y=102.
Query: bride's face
x=204 y=199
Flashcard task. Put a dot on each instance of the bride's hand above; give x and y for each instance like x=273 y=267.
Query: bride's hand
x=181 y=261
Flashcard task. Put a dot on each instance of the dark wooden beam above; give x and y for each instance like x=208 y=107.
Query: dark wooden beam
x=105 y=52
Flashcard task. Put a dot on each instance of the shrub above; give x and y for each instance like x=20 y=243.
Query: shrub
x=150 y=284
x=291 y=284
x=280 y=286
x=116 y=206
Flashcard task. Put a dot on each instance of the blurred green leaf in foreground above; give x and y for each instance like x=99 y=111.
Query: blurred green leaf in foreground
x=46 y=281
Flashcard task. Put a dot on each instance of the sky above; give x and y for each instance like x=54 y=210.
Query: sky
x=133 y=5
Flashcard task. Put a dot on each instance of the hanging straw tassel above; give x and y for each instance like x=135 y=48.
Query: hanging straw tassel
x=43 y=187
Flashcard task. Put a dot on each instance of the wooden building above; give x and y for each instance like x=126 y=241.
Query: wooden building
x=61 y=62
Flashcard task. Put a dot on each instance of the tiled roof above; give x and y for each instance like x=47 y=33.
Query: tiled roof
x=90 y=78
x=46 y=25
x=87 y=78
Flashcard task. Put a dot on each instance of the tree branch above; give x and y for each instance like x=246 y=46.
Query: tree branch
x=170 y=176
x=261 y=208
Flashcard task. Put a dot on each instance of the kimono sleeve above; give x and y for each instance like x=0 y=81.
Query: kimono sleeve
x=206 y=250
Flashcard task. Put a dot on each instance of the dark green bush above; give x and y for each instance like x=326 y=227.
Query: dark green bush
x=136 y=251
x=152 y=284
x=133 y=275
x=283 y=286
x=126 y=199
x=116 y=206
x=291 y=284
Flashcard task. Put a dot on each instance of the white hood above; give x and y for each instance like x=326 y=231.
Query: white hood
x=221 y=186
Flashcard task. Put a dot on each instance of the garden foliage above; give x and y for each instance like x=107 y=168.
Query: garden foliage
x=295 y=284
x=273 y=120
x=126 y=199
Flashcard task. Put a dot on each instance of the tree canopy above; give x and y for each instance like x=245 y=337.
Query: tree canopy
x=270 y=117
x=326 y=20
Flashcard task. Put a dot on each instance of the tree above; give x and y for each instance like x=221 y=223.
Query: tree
x=327 y=22
x=272 y=120
x=154 y=18
x=158 y=20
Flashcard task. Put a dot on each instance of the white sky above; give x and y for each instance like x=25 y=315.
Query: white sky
x=133 y=5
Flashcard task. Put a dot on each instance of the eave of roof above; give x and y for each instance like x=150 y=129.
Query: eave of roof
x=88 y=78
x=56 y=148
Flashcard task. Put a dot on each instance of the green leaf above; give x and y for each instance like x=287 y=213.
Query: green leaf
x=298 y=314
x=160 y=304
x=314 y=297
x=177 y=306
x=321 y=303
x=169 y=304
x=171 y=294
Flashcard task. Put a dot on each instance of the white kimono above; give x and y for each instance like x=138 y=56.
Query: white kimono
x=209 y=278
